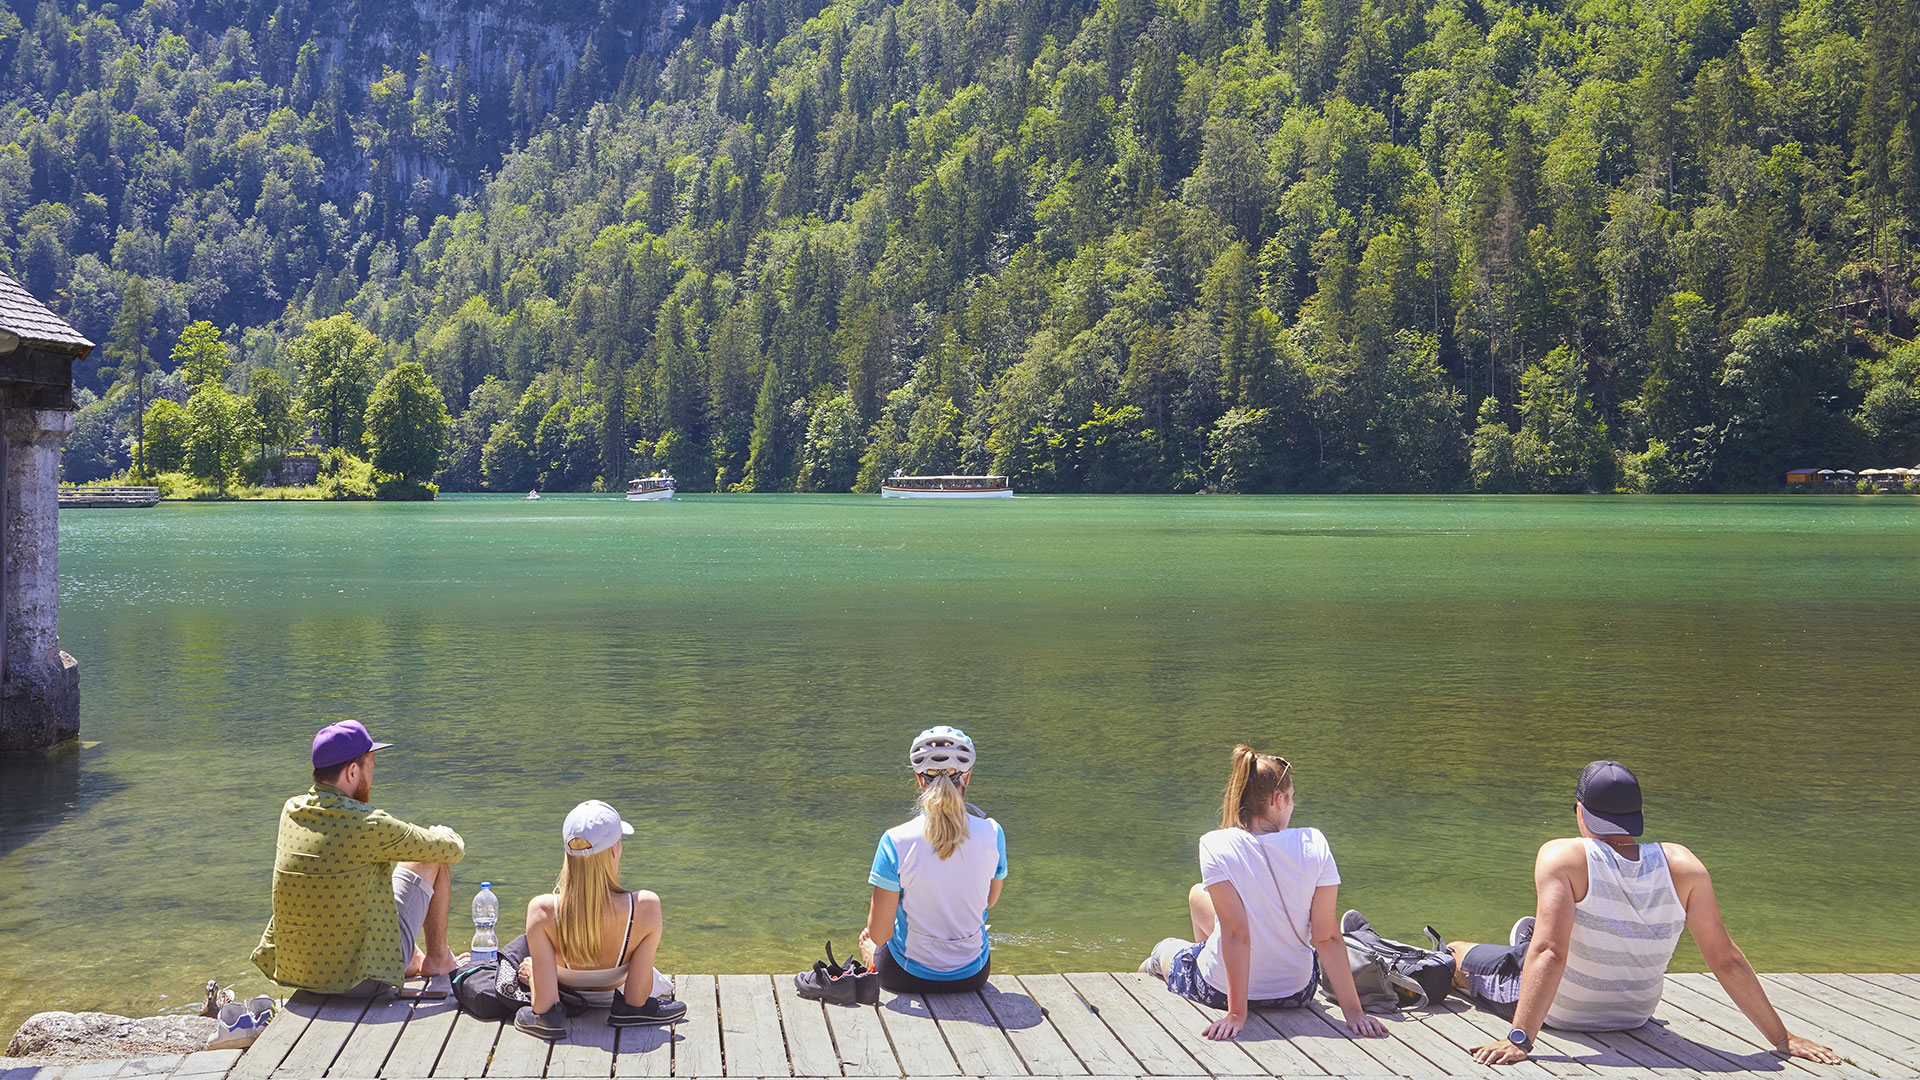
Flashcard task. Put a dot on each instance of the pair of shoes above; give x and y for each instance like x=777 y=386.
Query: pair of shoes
x=1522 y=931
x=548 y=1025
x=654 y=1010
x=828 y=981
x=241 y=1024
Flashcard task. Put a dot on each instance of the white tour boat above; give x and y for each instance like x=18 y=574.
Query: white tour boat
x=946 y=487
x=653 y=488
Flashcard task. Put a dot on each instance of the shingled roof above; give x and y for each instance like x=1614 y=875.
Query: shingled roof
x=33 y=321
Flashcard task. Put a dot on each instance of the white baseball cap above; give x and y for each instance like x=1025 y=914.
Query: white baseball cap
x=593 y=827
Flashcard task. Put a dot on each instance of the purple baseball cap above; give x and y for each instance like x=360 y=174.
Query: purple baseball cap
x=337 y=744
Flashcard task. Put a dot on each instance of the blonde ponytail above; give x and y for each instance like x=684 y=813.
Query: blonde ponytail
x=946 y=813
x=1255 y=779
x=586 y=882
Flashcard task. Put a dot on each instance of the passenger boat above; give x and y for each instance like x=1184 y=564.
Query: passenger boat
x=650 y=488
x=945 y=487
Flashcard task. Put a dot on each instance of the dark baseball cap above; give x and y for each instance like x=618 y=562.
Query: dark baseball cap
x=1609 y=797
x=337 y=744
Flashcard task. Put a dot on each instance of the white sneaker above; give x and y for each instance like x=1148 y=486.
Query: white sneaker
x=1160 y=960
x=237 y=1029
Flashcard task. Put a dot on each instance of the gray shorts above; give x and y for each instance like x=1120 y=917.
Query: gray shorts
x=412 y=894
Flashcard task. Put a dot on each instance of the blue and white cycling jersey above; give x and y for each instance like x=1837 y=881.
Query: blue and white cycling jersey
x=940 y=930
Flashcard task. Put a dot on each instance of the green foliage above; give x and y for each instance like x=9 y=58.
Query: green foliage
x=200 y=354
x=1651 y=471
x=344 y=476
x=271 y=398
x=1123 y=245
x=220 y=431
x=168 y=431
x=407 y=423
x=336 y=358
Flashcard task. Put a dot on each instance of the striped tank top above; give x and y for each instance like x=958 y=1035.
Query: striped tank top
x=1624 y=933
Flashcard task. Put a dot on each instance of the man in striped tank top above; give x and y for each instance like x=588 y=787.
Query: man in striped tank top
x=1610 y=910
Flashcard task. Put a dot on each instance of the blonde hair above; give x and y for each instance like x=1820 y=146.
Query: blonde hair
x=586 y=881
x=946 y=812
x=1256 y=778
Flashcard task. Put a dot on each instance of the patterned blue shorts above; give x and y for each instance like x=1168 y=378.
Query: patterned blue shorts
x=1183 y=978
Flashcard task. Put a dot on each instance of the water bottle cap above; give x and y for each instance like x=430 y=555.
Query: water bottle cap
x=486 y=884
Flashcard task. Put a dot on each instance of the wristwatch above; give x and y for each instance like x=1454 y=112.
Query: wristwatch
x=1519 y=1038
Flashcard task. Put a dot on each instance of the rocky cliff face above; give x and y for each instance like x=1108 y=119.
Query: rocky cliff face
x=499 y=39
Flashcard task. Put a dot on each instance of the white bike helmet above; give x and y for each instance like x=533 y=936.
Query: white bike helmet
x=940 y=750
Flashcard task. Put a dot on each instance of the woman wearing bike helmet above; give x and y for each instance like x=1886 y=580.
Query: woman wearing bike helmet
x=934 y=878
x=1265 y=912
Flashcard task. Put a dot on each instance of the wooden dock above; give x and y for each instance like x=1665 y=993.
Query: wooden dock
x=1084 y=1025
x=87 y=496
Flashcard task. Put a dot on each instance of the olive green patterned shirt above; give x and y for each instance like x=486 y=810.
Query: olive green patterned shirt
x=334 y=922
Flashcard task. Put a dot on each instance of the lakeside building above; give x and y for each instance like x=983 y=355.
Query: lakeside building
x=39 y=682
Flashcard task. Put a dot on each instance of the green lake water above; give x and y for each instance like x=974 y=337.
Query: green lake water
x=741 y=677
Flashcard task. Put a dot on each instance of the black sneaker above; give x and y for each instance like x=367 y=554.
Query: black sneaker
x=866 y=984
x=548 y=1025
x=828 y=984
x=649 y=1012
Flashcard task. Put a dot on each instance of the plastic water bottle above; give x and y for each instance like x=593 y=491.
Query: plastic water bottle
x=486 y=914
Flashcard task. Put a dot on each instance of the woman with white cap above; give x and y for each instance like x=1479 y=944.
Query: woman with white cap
x=934 y=878
x=571 y=934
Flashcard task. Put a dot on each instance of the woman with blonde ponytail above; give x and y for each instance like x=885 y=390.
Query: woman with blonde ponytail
x=934 y=879
x=1264 y=912
x=593 y=937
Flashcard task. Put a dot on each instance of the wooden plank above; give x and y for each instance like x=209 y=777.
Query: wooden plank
x=979 y=1045
x=1905 y=985
x=1080 y=1026
x=1040 y=1047
x=1303 y=1033
x=1157 y=1051
x=697 y=1053
x=644 y=1051
x=380 y=1028
x=518 y=1055
x=1393 y=1055
x=1844 y=989
x=1892 y=1030
x=1725 y=1030
x=750 y=1039
x=1549 y=1053
x=1184 y=1021
x=809 y=1041
x=468 y=1047
x=418 y=1048
x=1847 y=1025
x=588 y=1048
x=861 y=1041
x=916 y=1038
x=326 y=1033
x=283 y=1031
x=1467 y=1028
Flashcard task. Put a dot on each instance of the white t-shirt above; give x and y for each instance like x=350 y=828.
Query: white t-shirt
x=939 y=930
x=1301 y=862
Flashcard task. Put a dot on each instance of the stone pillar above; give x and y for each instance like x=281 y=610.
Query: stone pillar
x=40 y=687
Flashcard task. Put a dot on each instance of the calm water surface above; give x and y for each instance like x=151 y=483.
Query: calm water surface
x=741 y=676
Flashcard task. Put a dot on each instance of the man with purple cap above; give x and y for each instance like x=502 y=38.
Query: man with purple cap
x=360 y=898
x=1593 y=956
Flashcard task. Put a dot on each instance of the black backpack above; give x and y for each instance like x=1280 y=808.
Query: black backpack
x=1393 y=975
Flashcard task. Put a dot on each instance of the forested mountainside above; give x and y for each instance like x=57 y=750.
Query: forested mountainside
x=1331 y=245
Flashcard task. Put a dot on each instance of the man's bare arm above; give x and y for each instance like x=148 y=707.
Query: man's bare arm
x=1695 y=889
x=1547 y=953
